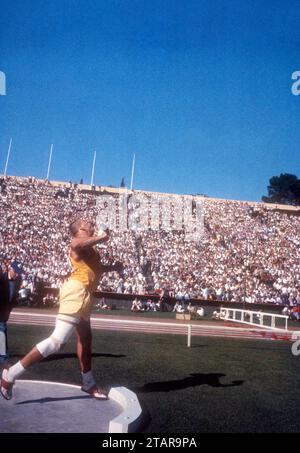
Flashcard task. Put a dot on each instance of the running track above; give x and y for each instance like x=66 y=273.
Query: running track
x=123 y=324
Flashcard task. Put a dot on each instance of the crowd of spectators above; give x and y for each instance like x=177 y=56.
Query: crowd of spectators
x=247 y=252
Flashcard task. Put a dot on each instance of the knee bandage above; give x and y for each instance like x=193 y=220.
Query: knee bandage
x=61 y=334
x=48 y=347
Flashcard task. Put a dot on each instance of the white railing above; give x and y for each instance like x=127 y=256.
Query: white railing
x=253 y=318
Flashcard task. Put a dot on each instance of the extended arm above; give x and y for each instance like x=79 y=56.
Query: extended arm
x=117 y=267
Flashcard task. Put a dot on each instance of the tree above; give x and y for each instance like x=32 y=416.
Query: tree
x=122 y=184
x=283 y=189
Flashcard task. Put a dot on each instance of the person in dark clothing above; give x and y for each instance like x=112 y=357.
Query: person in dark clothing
x=4 y=313
x=164 y=306
x=10 y=282
x=14 y=280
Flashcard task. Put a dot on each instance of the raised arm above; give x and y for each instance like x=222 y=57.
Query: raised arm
x=85 y=237
x=78 y=244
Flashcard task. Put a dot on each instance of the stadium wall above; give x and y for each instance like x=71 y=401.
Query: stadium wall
x=124 y=301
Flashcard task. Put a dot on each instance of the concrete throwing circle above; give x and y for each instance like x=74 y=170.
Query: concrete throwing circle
x=52 y=407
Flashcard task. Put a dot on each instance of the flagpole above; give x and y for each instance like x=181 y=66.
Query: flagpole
x=49 y=162
x=7 y=157
x=132 y=172
x=93 y=168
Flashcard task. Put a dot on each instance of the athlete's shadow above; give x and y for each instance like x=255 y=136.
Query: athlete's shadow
x=195 y=379
x=52 y=400
x=72 y=355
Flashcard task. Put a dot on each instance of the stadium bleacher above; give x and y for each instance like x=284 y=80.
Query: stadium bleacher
x=247 y=251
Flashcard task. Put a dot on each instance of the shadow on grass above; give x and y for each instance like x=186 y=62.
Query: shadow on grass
x=195 y=379
x=72 y=355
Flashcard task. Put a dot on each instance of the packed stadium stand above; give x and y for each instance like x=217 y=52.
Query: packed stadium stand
x=247 y=251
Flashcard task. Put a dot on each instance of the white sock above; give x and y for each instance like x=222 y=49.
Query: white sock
x=88 y=380
x=15 y=372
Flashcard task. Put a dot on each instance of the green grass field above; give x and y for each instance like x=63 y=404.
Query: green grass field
x=218 y=385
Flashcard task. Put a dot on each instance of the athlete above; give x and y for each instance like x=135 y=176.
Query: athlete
x=76 y=299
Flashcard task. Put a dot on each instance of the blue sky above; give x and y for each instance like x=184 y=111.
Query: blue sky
x=199 y=90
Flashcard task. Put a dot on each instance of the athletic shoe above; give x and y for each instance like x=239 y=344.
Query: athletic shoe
x=96 y=392
x=6 y=386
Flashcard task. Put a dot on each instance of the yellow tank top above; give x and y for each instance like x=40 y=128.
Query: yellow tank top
x=87 y=271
